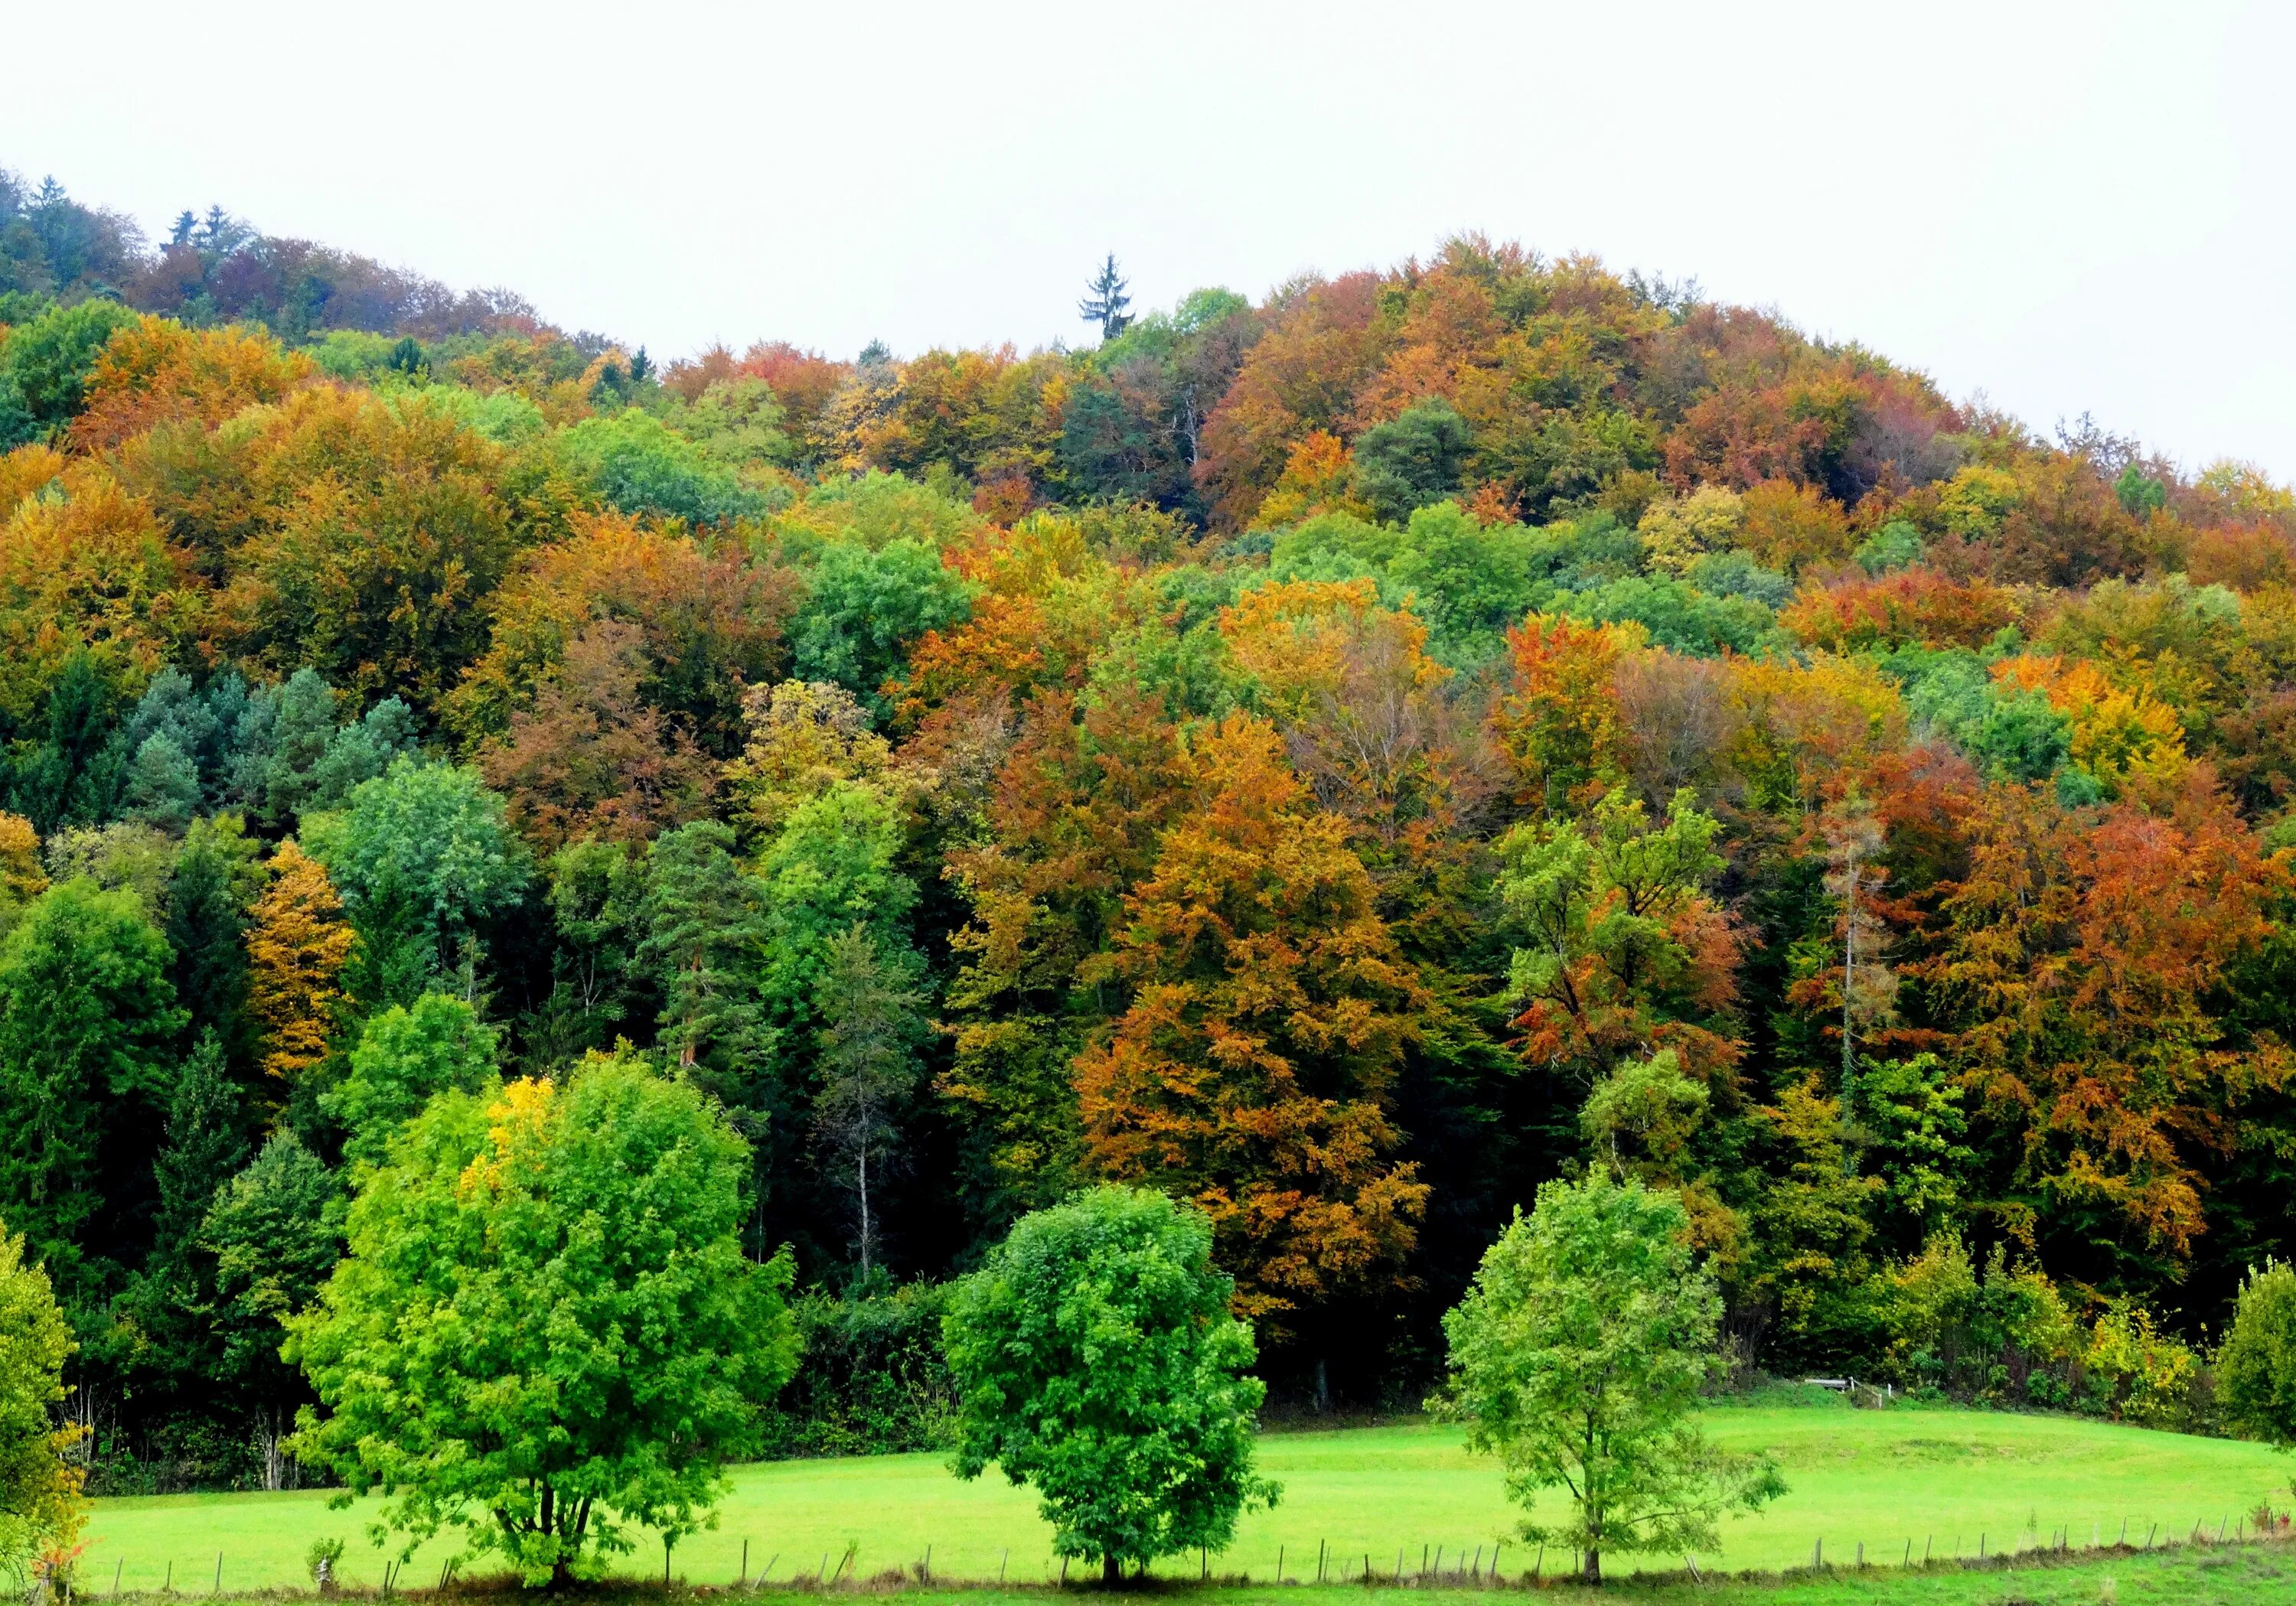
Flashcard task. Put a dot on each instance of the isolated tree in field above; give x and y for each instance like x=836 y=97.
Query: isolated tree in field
x=1095 y=1359
x=40 y=1504
x=1576 y=1356
x=545 y=1331
x=1105 y=302
x=2256 y=1370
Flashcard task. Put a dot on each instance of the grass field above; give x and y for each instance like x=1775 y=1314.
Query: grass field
x=1942 y=1479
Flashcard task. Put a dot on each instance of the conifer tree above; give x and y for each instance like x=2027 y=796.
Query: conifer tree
x=1104 y=300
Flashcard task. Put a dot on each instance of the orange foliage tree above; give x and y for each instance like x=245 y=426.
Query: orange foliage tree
x=1914 y=606
x=1559 y=719
x=2079 y=966
x=1074 y=820
x=156 y=370
x=1254 y=1069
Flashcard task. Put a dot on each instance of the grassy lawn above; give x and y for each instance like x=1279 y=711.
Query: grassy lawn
x=1939 y=1478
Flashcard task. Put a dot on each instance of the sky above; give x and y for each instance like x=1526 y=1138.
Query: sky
x=2064 y=207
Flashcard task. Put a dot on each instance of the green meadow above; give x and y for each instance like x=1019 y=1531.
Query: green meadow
x=1909 y=1481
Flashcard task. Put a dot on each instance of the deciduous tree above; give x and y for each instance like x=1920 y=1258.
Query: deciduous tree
x=1254 y=1071
x=1577 y=1357
x=1095 y=1359
x=545 y=1331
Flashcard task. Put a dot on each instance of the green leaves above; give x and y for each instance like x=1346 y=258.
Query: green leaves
x=545 y=1331
x=865 y=607
x=87 y=1015
x=39 y=1489
x=423 y=858
x=1576 y=1358
x=2256 y=1370
x=1094 y=1357
x=405 y=1055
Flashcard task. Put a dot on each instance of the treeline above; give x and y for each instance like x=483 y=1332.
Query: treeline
x=215 y=269
x=1344 y=760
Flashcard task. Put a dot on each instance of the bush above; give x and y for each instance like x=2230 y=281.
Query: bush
x=2256 y=1369
x=2135 y=1372
x=874 y=1381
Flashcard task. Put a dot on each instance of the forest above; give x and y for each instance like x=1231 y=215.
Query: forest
x=1342 y=759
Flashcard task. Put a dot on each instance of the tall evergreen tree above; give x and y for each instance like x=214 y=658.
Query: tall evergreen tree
x=1104 y=300
x=217 y=879
x=86 y=1013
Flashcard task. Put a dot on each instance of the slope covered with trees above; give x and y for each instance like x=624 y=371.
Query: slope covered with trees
x=1343 y=759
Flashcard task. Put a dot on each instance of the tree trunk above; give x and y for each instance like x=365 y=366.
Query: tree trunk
x=274 y=1464
x=1112 y=1571
x=1591 y=1574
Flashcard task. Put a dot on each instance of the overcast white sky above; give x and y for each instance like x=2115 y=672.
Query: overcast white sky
x=2065 y=206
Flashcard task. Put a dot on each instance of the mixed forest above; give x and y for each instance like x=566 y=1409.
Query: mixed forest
x=1343 y=759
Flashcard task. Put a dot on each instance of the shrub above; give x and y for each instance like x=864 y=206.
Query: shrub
x=874 y=1382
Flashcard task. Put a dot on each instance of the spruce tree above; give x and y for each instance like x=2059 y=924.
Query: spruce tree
x=1105 y=302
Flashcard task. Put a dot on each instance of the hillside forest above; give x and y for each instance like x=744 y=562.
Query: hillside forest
x=1342 y=758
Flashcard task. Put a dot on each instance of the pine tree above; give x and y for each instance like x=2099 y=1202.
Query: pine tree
x=1105 y=301
x=216 y=878
x=296 y=955
x=206 y=1146
x=704 y=944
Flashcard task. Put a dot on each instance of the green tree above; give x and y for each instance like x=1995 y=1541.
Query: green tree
x=273 y=1231
x=1095 y=1359
x=632 y=461
x=87 y=1016
x=161 y=786
x=1576 y=1356
x=44 y=367
x=289 y=726
x=545 y=1331
x=862 y=608
x=405 y=1055
x=597 y=894
x=1621 y=952
x=1412 y=459
x=832 y=867
x=217 y=880
x=206 y=1145
x=1104 y=300
x=163 y=1322
x=40 y=1504
x=871 y=1027
x=422 y=857
x=704 y=945
x=2256 y=1370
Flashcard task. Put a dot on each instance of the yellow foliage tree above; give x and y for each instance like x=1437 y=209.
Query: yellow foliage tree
x=296 y=954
